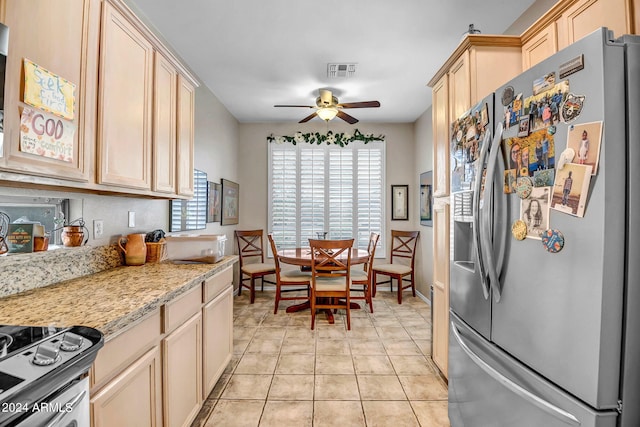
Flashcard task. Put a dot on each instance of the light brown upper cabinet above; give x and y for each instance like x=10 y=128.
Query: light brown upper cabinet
x=440 y=123
x=186 y=112
x=68 y=51
x=585 y=16
x=570 y=20
x=125 y=103
x=164 y=125
x=541 y=46
x=466 y=77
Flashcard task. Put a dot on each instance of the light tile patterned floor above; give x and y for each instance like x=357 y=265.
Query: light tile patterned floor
x=284 y=374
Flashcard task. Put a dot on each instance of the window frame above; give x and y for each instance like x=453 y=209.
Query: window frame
x=355 y=147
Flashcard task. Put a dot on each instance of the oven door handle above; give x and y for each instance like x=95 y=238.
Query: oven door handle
x=68 y=408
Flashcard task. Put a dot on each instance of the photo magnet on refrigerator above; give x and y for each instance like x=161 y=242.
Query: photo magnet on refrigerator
x=571 y=107
x=553 y=240
x=524 y=185
x=519 y=229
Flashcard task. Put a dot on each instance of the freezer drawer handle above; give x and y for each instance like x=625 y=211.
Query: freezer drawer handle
x=548 y=407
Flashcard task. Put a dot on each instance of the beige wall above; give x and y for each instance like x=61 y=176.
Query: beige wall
x=424 y=162
x=401 y=168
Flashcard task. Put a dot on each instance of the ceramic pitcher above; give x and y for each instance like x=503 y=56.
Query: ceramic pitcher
x=135 y=249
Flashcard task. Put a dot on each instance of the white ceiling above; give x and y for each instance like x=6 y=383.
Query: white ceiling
x=253 y=54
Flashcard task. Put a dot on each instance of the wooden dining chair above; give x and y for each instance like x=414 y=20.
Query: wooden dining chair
x=403 y=254
x=364 y=277
x=330 y=276
x=252 y=265
x=288 y=280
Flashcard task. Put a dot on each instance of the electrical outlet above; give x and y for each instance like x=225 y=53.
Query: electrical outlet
x=98 y=228
x=132 y=219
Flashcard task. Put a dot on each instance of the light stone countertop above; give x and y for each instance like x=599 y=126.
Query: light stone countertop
x=109 y=300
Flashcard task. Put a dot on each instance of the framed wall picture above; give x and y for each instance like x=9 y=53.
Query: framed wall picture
x=426 y=199
x=230 y=202
x=214 y=194
x=399 y=202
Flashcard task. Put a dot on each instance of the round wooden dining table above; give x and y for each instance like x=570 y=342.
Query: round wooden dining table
x=302 y=258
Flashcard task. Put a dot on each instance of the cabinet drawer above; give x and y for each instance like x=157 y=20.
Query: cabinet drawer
x=177 y=311
x=119 y=352
x=216 y=284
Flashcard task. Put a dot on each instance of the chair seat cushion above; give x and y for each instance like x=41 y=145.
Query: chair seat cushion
x=329 y=284
x=258 y=267
x=359 y=276
x=294 y=276
x=393 y=268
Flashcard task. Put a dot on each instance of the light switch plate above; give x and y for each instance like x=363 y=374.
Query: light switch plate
x=132 y=219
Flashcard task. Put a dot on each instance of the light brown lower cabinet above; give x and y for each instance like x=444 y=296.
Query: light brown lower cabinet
x=182 y=373
x=158 y=372
x=132 y=399
x=217 y=319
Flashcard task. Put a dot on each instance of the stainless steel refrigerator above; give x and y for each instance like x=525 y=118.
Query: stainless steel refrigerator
x=545 y=331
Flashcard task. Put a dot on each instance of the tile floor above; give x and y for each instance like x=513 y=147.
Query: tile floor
x=284 y=374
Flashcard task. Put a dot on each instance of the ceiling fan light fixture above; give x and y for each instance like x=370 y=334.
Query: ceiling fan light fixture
x=327 y=113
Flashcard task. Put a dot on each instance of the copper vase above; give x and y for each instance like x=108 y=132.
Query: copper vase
x=72 y=235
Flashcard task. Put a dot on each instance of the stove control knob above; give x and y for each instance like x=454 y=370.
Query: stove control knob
x=71 y=342
x=46 y=355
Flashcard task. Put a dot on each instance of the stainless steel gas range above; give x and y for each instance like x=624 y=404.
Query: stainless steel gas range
x=43 y=379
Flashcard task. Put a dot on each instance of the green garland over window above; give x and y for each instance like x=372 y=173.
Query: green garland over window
x=342 y=138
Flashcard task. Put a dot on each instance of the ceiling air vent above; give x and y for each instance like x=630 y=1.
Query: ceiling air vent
x=341 y=70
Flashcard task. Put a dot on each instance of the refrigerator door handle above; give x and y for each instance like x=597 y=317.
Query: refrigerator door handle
x=485 y=230
x=548 y=407
x=476 y=213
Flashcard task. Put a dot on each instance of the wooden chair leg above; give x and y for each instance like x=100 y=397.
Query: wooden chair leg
x=241 y=283
x=368 y=297
x=348 y=308
x=373 y=285
x=275 y=310
x=399 y=289
x=252 y=291
x=313 y=312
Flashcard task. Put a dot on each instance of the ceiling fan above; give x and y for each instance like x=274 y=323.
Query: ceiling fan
x=327 y=107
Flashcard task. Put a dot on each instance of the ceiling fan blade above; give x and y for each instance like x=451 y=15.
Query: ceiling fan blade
x=347 y=118
x=302 y=106
x=309 y=117
x=364 y=104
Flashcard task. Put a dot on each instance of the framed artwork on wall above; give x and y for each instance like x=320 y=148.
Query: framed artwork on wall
x=214 y=194
x=230 y=202
x=399 y=202
x=426 y=199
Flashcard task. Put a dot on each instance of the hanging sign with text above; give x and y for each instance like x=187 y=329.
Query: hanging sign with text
x=48 y=91
x=46 y=135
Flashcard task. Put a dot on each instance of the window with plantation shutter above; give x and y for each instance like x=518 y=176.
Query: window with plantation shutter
x=326 y=188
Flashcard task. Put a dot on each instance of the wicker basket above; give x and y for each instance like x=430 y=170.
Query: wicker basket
x=156 y=252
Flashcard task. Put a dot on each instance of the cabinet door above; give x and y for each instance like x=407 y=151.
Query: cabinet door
x=182 y=373
x=124 y=119
x=541 y=46
x=440 y=101
x=217 y=347
x=68 y=51
x=459 y=87
x=586 y=16
x=186 y=105
x=440 y=303
x=164 y=125
x=132 y=399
